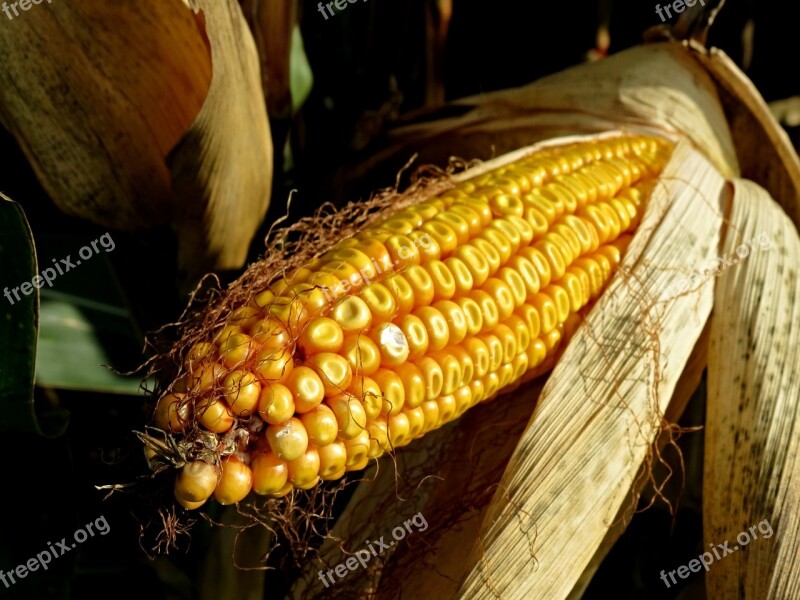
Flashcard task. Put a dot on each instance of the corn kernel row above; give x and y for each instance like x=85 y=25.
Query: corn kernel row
x=401 y=328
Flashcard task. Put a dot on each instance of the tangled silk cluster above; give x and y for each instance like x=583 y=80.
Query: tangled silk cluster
x=401 y=328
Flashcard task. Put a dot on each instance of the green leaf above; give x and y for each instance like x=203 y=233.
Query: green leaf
x=72 y=351
x=18 y=327
x=300 y=77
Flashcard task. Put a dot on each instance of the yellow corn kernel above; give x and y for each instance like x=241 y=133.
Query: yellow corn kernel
x=404 y=326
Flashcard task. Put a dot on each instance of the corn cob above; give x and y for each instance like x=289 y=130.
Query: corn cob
x=401 y=328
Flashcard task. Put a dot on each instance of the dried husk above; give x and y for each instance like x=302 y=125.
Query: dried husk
x=163 y=122
x=752 y=470
x=656 y=87
x=96 y=126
